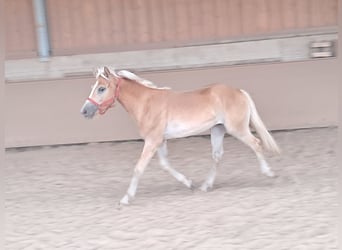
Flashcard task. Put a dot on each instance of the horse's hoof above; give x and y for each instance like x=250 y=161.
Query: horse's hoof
x=192 y=186
x=205 y=188
x=270 y=174
x=124 y=201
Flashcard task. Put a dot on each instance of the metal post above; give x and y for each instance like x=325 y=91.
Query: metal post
x=41 y=30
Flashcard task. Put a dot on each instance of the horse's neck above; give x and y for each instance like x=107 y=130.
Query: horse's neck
x=132 y=97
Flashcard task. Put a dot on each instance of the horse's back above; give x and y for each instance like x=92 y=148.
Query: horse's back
x=216 y=95
x=225 y=90
x=222 y=95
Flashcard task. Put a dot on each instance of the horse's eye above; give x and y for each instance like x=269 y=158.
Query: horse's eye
x=101 y=89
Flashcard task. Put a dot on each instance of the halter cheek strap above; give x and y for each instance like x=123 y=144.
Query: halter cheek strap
x=104 y=106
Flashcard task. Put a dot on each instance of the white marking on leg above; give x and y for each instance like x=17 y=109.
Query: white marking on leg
x=216 y=137
x=162 y=153
x=265 y=169
x=133 y=185
x=131 y=191
x=145 y=158
x=124 y=200
x=209 y=182
x=254 y=143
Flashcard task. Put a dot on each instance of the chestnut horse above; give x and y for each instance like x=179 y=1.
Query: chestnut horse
x=163 y=114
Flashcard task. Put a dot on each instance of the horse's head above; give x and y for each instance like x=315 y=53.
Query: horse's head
x=103 y=94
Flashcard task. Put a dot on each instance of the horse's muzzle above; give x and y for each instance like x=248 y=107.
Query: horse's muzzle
x=89 y=110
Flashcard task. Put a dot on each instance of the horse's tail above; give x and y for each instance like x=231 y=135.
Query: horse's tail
x=266 y=138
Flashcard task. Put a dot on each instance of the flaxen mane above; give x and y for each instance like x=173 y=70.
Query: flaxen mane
x=129 y=75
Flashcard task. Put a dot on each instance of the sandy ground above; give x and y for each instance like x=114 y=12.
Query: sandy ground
x=66 y=197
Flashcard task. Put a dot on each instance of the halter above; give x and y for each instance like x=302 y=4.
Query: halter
x=104 y=106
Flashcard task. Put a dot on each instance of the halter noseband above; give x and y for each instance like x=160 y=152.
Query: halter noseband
x=104 y=106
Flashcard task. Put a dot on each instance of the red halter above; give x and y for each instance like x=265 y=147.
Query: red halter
x=104 y=106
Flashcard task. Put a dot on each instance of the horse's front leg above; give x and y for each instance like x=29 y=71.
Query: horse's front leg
x=146 y=155
x=162 y=153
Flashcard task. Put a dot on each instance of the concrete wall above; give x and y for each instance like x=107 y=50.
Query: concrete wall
x=282 y=48
x=287 y=95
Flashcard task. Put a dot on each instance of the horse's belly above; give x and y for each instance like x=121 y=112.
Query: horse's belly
x=178 y=130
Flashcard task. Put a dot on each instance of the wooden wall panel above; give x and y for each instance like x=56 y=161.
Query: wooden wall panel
x=330 y=12
x=117 y=21
x=303 y=17
x=168 y=20
x=20 y=29
x=234 y=18
x=289 y=14
x=222 y=23
x=87 y=26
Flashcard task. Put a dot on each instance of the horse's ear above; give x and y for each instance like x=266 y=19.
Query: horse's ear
x=106 y=72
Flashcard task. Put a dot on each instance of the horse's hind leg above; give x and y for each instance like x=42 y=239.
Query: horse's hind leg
x=216 y=137
x=254 y=143
x=162 y=153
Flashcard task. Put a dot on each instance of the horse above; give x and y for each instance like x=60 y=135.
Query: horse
x=162 y=114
